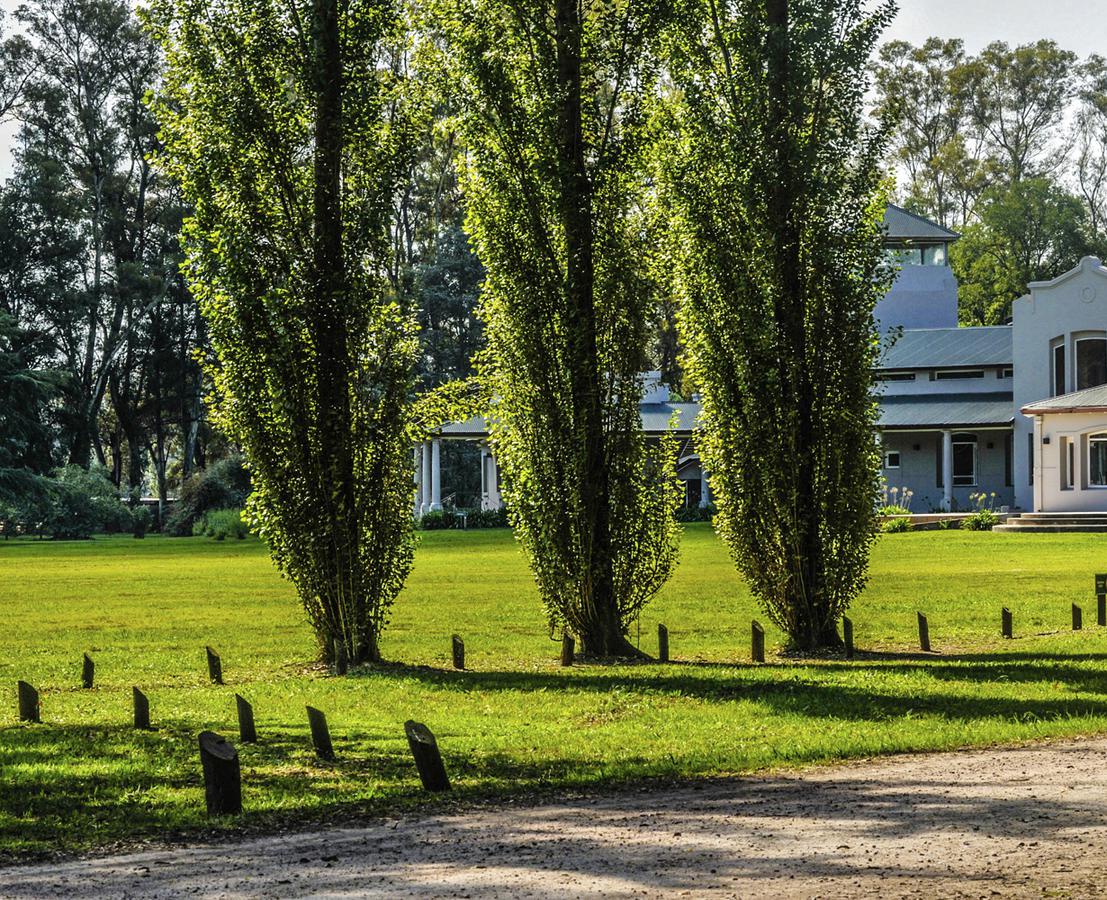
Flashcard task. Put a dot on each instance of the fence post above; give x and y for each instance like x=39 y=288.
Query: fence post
x=1077 y=618
x=568 y=646
x=247 y=734
x=924 y=634
x=88 y=672
x=1007 y=624
x=28 y=703
x=428 y=759
x=757 y=642
x=215 y=666
x=222 y=775
x=142 y=709
x=662 y=644
x=847 y=636
x=458 y=648
x=320 y=734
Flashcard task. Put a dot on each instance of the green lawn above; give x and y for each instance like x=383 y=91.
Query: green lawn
x=515 y=722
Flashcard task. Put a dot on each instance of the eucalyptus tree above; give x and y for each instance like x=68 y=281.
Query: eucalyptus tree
x=775 y=191
x=555 y=98
x=289 y=126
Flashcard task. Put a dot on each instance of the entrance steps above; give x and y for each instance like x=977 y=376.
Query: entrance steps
x=1056 y=523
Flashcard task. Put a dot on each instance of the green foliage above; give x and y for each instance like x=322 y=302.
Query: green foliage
x=983 y=516
x=1030 y=231
x=222 y=524
x=222 y=485
x=555 y=125
x=441 y=519
x=696 y=513
x=892 y=509
x=141 y=519
x=83 y=502
x=894 y=525
x=775 y=200
x=289 y=127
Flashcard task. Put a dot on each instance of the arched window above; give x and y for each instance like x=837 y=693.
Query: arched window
x=1097 y=459
x=964 y=460
x=1091 y=361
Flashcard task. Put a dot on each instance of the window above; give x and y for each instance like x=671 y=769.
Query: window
x=904 y=256
x=954 y=374
x=891 y=458
x=1059 y=368
x=897 y=376
x=964 y=460
x=1091 y=362
x=1005 y=372
x=1097 y=460
x=934 y=255
x=1070 y=463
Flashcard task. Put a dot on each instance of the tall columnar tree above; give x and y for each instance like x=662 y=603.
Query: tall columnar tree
x=288 y=126
x=555 y=96
x=775 y=186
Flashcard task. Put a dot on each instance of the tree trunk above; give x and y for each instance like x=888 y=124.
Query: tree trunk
x=345 y=604
x=599 y=630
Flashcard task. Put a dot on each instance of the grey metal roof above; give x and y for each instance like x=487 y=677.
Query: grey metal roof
x=944 y=348
x=655 y=420
x=1093 y=399
x=902 y=225
x=946 y=410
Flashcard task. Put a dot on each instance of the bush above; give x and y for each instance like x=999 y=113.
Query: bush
x=441 y=519
x=141 y=518
x=895 y=526
x=438 y=520
x=981 y=520
x=892 y=510
x=83 y=502
x=696 y=513
x=221 y=486
x=221 y=524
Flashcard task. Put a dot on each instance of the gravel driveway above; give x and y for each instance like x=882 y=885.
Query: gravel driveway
x=1023 y=822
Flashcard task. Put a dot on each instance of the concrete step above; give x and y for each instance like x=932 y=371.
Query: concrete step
x=1033 y=516
x=1037 y=528
x=1059 y=520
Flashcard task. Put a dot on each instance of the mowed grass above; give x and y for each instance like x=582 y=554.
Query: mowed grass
x=515 y=722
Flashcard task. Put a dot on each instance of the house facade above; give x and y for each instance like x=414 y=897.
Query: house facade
x=1017 y=412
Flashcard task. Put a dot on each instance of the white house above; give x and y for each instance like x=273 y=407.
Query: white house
x=1018 y=411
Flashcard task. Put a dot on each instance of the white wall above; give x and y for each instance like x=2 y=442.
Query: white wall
x=1051 y=493
x=921 y=297
x=1074 y=302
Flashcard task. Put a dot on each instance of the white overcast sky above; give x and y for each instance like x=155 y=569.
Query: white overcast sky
x=1078 y=25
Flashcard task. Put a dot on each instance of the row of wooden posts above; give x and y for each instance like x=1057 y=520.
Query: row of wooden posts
x=219 y=758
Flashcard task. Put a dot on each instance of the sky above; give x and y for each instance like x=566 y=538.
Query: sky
x=1077 y=25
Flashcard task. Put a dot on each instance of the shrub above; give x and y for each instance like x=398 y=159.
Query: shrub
x=893 y=510
x=141 y=517
x=222 y=485
x=696 y=513
x=488 y=518
x=438 y=520
x=83 y=502
x=222 y=524
x=983 y=517
x=895 y=525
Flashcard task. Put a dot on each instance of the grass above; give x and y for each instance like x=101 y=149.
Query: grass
x=514 y=722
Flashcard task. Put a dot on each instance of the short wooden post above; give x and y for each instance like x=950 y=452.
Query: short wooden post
x=1101 y=598
x=757 y=643
x=215 y=667
x=458 y=646
x=246 y=731
x=1077 y=618
x=662 y=644
x=142 y=710
x=424 y=749
x=1007 y=624
x=924 y=634
x=88 y=672
x=222 y=775
x=320 y=734
x=341 y=661
x=847 y=636
x=28 y=703
x=568 y=645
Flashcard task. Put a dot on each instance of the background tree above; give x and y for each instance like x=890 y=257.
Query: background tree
x=555 y=123
x=288 y=128
x=775 y=186
x=1030 y=231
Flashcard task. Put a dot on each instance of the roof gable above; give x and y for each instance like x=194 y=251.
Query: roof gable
x=901 y=225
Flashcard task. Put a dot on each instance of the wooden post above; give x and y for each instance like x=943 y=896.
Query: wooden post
x=567 y=648
x=222 y=775
x=320 y=734
x=215 y=667
x=28 y=703
x=847 y=636
x=341 y=663
x=662 y=644
x=142 y=710
x=424 y=749
x=1101 y=598
x=924 y=634
x=247 y=734
x=1006 y=624
x=1077 y=618
x=458 y=646
x=88 y=672
x=757 y=643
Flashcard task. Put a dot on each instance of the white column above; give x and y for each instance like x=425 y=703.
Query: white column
x=484 y=478
x=417 y=502
x=705 y=487
x=425 y=500
x=436 y=475
x=494 y=501
x=947 y=470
